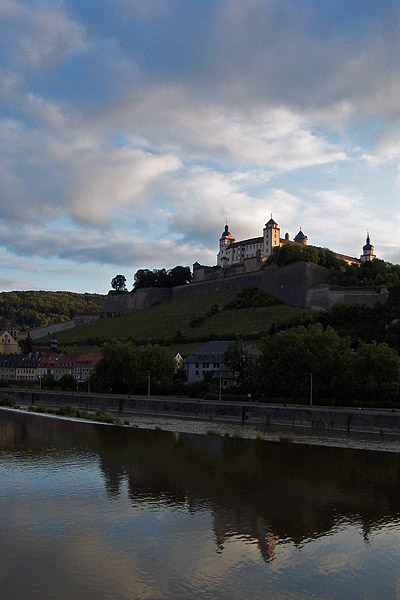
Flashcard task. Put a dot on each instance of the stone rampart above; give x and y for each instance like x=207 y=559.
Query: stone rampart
x=323 y=298
x=289 y=283
x=116 y=303
x=301 y=284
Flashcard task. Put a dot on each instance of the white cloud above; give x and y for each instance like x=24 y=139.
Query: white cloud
x=274 y=137
x=103 y=181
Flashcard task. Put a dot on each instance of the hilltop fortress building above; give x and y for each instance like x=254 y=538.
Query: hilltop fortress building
x=244 y=263
x=232 y=252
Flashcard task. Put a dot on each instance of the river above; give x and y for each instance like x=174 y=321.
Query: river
x=96 y=512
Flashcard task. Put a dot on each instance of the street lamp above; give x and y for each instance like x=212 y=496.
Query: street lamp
x=310 y=374
x=148 y=383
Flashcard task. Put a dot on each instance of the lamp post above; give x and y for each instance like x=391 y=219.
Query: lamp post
x=310 y=374
x=148 y=383
x=220 y=384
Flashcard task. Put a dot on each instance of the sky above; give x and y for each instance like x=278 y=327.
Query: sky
x=131 y=131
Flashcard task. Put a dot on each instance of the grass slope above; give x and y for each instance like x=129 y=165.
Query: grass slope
x=166 y=319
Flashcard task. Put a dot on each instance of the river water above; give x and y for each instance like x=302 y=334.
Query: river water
x=95 y=512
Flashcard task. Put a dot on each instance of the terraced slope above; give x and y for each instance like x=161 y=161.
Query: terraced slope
x=178 y=317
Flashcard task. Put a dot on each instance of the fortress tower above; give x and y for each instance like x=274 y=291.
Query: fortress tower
x=225 y=240
x=271 y=237
x=368 y=251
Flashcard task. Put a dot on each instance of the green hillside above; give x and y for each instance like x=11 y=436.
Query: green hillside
x=193 y=317
x=38 y=308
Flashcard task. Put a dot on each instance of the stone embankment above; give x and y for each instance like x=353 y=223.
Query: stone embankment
x=350 y=420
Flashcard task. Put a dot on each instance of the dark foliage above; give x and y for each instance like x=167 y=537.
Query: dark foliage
x=162 y=278
x=36 y=309
x=292 y=253
x=118 y=283
x=251 y=297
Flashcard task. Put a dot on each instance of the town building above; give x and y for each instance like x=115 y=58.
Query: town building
x=208 y=358
x=8 y=344
x=84 y=365
x=27 y=367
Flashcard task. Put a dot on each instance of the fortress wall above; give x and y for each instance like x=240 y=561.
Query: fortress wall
x=121 y=302
x=290 y=283
x=322 y=298
x=222 y=283
x=145 y=297
x=117 y=302
x=39 y=332
x=301 y=284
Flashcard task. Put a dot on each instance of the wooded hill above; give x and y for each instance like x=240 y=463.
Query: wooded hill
x=39 y=308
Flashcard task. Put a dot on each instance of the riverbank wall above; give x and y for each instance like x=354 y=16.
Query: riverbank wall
x=349 y=420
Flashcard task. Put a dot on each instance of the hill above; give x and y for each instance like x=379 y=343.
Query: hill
x=39 y=308
x=209 y=315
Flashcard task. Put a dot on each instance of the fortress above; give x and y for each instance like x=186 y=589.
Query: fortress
x=244 y=263
x=232 y=252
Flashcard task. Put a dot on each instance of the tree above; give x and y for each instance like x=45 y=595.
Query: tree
x=161 y=277
x=376 y=375
x=48 y=382
x=124 y=368
x=180 y=275
x=291 y=253
x=241 y=363
x=67 y=382
x=118 y=283
x=145 y=278
x=288 y=357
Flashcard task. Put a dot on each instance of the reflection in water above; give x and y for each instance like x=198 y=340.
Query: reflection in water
x=132 y=513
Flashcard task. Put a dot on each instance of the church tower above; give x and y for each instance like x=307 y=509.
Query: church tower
x=271 y=237
x=368 y=251
x=223 y=260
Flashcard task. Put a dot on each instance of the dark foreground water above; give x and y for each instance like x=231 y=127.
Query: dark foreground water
x=90 y=512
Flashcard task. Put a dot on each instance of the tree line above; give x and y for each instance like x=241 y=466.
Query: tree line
x=290 y=364
x=293 y=360
x=166 y=278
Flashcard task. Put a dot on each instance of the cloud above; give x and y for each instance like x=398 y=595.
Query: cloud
x=38 y=35
x=81 y=246
x=14 y=284
x=103 y=181
x=144 y=130
x=274 y=137
x=221 y=197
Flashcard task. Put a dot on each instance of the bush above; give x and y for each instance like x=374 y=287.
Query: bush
x=7 y=400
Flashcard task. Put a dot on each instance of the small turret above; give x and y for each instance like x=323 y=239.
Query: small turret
x=301 y=238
